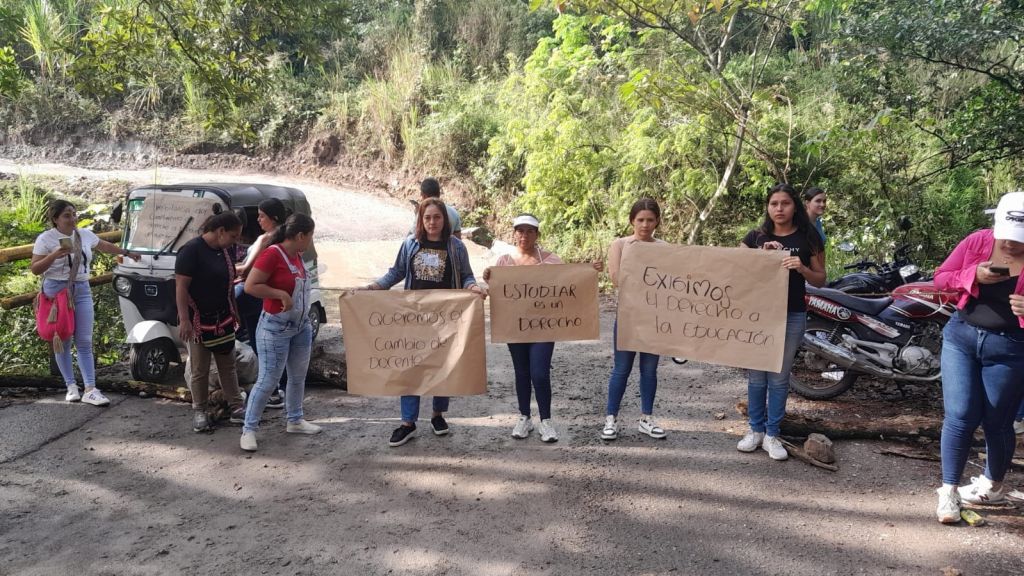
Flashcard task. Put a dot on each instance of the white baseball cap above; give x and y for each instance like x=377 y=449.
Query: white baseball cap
x=526 y=220
x=1010 y=218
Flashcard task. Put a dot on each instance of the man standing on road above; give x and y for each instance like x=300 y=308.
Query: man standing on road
x=431 y=188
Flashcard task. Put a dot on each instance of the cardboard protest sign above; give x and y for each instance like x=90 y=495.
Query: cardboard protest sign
x=548 y=303
x=414 y=342
x=163 y=216
x=720 y=305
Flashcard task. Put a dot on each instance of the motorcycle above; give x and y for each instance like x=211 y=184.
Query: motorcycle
x=898 y=337
x=875 y=280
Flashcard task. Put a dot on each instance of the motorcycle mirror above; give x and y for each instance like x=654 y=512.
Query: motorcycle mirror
x=846 y=247
x=905 y=224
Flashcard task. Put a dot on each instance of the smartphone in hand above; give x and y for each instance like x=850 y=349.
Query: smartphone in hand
x=999 y=270
x=65 y=243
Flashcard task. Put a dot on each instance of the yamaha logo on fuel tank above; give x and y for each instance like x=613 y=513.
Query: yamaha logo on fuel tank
x=830 y=308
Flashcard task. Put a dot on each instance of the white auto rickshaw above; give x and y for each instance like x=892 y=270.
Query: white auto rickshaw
x=157 y=220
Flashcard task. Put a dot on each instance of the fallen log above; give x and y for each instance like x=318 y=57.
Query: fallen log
x=123 y=386
x=27 y=298
x=853 y=427
x=911 y=453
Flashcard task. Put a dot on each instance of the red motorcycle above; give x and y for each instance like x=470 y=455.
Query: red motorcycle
x=898 y=337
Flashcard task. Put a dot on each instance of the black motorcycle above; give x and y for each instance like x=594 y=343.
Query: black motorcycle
x=874 y=280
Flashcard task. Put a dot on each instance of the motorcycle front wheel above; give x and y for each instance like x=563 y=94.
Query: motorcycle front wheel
x=814 y=377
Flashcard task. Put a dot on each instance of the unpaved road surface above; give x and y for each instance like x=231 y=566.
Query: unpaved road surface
x=129 y=489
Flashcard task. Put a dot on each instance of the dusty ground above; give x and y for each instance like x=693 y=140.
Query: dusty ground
x=131 y=490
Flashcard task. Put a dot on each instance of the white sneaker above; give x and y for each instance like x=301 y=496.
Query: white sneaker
x=523 y=427
x=750 y=442
x=302 y=427
x=773 y=446
x=95 y=397
x=980 y=491
x=73 y=394
x=611 y=428
x=948 y=511
x=1018 y=426
x=248 y=441
x=650 y=427
x=547 y=431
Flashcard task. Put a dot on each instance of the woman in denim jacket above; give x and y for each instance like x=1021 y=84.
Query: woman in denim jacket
x=429 y=259
x=982 y=356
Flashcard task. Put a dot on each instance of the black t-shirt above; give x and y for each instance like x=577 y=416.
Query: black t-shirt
x=210 y=279
x=991 y=309
x=432 y=266
x=798 y=245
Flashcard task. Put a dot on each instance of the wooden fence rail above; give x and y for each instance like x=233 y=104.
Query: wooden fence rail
x=22 y=252
x=25 y=251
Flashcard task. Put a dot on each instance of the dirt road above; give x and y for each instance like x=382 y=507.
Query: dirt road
x=131 y=490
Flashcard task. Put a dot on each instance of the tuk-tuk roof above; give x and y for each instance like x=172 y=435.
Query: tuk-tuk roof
x=238 y=195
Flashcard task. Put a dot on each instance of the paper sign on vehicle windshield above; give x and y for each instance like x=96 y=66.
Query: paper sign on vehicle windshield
x=163 y=216
x=547 y=303
x=720 y=305
x=414 y=342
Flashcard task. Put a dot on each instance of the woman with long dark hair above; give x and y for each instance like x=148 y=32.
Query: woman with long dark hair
x=644 y=217
x=207 y=313
x=815 y=202
x=284 y=335
x=270 y=215
x=429 y=259
x=785 y=227
x=63 y=256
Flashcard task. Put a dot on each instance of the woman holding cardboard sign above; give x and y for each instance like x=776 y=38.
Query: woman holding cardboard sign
x=786 y=226
x=531 y=360
x=644 y=217
x=429 y=259
x=62 y=256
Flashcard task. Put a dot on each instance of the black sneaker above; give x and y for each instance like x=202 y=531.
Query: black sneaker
x=200 y=421
x=401 y=435
x=276 y=400
x=439 y=425
x=237 y=415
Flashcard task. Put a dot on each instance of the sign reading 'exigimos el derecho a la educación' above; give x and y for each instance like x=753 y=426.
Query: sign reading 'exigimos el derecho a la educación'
x=547 y=303
x=720 y=305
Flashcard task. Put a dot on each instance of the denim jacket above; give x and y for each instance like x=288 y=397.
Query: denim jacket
x=462 y=275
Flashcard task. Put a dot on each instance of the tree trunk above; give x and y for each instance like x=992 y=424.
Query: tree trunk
x=123 y=386
x=844 y=426
x=723 y=183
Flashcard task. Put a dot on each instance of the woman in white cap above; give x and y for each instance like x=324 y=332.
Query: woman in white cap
x=982 y=356
x=531 y=360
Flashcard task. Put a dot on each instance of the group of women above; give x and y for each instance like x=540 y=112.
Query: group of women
x=982 y=359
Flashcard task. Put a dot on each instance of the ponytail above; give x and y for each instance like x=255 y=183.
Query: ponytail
x=295 y=224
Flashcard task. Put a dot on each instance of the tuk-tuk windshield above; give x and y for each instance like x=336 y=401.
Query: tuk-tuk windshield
x=153 y=243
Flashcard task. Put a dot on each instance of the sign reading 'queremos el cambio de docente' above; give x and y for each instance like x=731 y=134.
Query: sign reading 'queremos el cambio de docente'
x=414 y=342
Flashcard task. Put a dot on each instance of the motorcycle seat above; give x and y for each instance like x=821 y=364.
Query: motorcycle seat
x=871 y=306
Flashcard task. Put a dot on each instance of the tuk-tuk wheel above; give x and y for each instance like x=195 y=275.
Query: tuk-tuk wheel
x=316 y=314
x=149 y=361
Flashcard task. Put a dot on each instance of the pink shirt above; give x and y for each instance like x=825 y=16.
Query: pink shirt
x=507 y=260
x=958 y=272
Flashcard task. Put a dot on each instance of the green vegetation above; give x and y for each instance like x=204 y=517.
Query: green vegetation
x=571 y=109
x=23 y=204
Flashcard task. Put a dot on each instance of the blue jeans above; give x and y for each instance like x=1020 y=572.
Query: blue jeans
x=532 y=363
x=981 y=384
x=767 y=392
x=84 y=318
x=411 y=407
x=282 y=344
x=620 y=375
x=250 y=309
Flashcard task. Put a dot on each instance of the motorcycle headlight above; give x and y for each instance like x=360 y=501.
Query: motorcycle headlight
x=122 y=286
x=909 y=270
